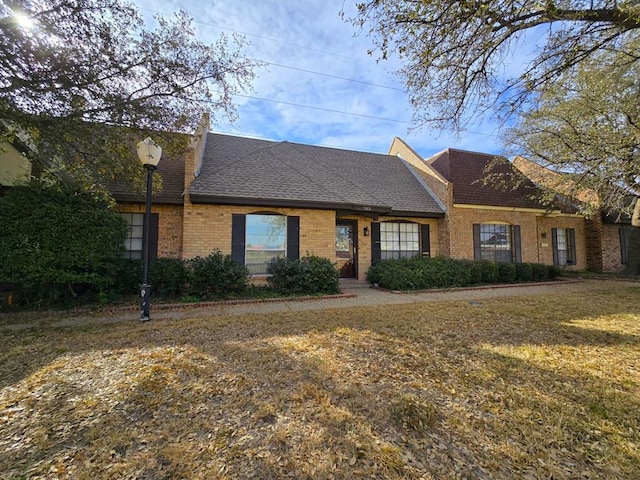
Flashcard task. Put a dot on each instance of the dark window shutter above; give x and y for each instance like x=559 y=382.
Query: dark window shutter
x=153 y=235
x=477 y=253
x=426 y=241
x=554 y=245
x=376 y=253
x=517 y=247
x=293 y=237
x=624 y=242
x=572 y=244
x=238 y=226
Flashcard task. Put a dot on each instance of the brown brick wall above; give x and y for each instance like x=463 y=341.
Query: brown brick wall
x=611 y=255
x=593 y=239
x=545 y=224
x=208 y=227
x=169 y=226
x=534 y=248
x=462 y=220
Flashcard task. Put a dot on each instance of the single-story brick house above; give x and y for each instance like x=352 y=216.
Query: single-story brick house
x=257 y=199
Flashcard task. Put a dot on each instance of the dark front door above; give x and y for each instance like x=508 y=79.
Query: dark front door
x=346 y=248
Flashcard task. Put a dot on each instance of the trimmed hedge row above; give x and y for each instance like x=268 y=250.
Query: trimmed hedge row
x=219 y=276
x=441 y=272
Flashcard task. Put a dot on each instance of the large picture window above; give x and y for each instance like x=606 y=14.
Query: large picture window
x=266 y=239
x=399 y=240
x=497 y=242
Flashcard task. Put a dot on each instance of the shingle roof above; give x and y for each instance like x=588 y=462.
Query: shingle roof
x=260 y=172
x=468 y=172
x=171 y=170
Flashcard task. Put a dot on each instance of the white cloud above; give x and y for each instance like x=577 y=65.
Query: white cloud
x=311 y=36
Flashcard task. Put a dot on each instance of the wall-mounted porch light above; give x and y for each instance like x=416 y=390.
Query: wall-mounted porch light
x=366 y=231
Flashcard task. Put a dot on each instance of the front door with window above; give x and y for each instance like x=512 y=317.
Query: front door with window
x=346 y=248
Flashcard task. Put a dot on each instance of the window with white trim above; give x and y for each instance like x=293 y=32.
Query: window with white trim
x=564 y=249
x=135 y=232
x=399 y=240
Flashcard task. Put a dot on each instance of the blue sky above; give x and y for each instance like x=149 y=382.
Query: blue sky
x=290 y=102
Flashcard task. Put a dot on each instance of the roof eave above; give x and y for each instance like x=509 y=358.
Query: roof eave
x=410 y=213
x=280 y=202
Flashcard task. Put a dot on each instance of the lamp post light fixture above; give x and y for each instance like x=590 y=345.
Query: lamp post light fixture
x=149 y=154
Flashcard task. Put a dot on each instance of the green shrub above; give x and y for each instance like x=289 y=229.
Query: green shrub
x=57 y=243
x=401 y=275
x=440 y=272
x=524 y=272
x=127 y=276
x=489 y=271
x=507 y=272
x=308 y=275
x=540 y=272
x=553 y=272
x=167 y=277
x=216 y=276
x=474 y=269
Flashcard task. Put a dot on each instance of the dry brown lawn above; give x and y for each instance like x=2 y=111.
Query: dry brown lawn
x=520 y=387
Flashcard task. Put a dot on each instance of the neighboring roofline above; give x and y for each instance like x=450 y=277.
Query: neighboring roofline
x=538 y=211
x=424 y=184
x=436 y=155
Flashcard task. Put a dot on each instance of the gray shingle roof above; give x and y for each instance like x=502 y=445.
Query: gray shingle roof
x=238 y=170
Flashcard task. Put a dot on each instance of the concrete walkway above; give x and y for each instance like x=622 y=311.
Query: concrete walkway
x=355 y=294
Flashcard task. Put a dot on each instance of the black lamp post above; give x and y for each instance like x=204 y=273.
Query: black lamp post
x=149 y=154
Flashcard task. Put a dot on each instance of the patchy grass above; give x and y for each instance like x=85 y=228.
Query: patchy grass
x=515 y=387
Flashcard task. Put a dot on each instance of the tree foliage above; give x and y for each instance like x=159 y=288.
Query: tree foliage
x=54 y=240
x=84 y=64
x=587 y=124
x=454 y=52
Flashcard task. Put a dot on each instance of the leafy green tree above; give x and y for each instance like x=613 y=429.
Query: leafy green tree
x=587 y=128
x=85 y=64
x=56 y=242
x=453 y=52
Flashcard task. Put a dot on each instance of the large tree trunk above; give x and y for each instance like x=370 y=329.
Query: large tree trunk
x=633 y=253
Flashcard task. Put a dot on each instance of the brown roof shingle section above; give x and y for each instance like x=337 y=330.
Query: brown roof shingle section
x=250 y=171
x=485 y=179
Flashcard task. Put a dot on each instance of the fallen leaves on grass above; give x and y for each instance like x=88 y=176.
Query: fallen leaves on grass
x=519 y=387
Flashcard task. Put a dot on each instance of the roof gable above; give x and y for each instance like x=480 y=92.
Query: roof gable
x=485 y=179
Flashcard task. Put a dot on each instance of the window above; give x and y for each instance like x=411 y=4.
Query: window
x=266 y=239
x=497 y=242
x=564 y=246
x=133 y=243
x=257 y=238
x=399 y=240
